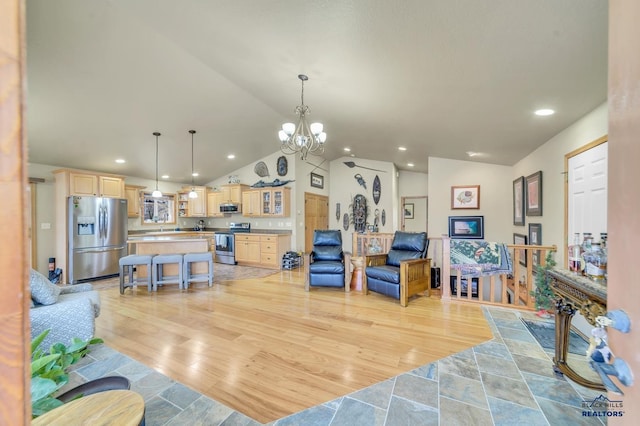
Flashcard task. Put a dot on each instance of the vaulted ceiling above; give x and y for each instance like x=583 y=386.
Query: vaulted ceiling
x=439 y=77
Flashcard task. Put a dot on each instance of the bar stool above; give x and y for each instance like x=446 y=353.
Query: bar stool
x=127 y=263
x=159 y=260
x=186 y=268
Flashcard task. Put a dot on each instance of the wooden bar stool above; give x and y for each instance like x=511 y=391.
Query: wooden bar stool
x=158 y=277
x=197 y=257
x=127 y=263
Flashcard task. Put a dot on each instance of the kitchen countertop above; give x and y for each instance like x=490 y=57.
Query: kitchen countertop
x=156 y=238
x=208 y=232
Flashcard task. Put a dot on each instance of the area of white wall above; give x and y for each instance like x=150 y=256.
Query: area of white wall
x=550 y=159
x=495 y=196
x=413 y=184
x=344 y=186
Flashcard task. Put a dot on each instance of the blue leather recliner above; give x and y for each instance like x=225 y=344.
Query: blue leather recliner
x=327 y=261
x=404 y=271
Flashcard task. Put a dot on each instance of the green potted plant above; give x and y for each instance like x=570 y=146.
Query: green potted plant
x=49 y=370
x=542 y=293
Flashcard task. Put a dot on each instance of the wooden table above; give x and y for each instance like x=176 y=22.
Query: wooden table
x=575 y=293
x=115 y=407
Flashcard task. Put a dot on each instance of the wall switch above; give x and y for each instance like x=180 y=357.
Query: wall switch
x=45 y=225
x=288 y=223
x=270 y=224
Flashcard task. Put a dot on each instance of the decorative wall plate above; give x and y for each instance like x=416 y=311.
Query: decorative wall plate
x=337 y=211
x=261 y=169
x=376 y=189
x=282 y=166
x=345 y=221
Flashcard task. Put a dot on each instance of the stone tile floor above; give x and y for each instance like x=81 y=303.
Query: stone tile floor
x=506 y=381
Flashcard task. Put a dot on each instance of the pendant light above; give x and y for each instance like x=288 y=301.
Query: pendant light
x=156 y=193
x=192 y=193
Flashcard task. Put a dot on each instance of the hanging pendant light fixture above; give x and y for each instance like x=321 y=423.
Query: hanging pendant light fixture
x=303 y=138
x=192 y=193
x=156 y=193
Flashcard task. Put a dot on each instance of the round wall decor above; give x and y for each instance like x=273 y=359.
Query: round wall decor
x=282 y=166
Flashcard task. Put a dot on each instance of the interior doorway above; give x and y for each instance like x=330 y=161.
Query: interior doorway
x=414 y=216
x=586 y=191
x=316 y=216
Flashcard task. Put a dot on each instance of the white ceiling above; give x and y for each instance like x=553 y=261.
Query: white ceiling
x=441 y=77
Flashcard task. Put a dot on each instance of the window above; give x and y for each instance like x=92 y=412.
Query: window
x=158 y=210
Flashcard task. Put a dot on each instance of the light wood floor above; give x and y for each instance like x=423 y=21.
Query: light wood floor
x=267 y=348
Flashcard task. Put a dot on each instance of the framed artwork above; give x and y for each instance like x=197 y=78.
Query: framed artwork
x=317 y=181
x=535 y=238
x=518 y=201
x=466 y=227
x=521 y=239
x=534 y=194
x=408 y=211
x=465 y=197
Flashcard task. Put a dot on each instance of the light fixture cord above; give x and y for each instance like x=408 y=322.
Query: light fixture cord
x=302 y=93
x=156 y=162
x=191 y=161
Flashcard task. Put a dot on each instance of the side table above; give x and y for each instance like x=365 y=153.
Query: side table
x=114 y=407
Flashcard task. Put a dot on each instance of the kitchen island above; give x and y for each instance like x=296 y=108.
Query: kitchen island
x=172 y=242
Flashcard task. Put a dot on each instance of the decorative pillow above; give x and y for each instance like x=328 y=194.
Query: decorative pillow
x=42 y=290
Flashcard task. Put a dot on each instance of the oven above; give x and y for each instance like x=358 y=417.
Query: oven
x=225 y=243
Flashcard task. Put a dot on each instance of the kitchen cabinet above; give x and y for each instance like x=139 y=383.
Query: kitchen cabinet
x=263 y=250
x=251 y=203
x=275 y=202
x=91 y=185
x=247 y=248
x=192 y=207
x=132 y=194
x=232 y=193
x=214 y=199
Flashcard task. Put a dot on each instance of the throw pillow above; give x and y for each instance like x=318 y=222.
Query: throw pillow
x=42 y=290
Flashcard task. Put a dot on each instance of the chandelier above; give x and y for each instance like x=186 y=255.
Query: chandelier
x=303 y=138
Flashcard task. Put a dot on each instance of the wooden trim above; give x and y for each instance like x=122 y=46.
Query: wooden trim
x=584 y=148
x=15 y=399
x=33 y=229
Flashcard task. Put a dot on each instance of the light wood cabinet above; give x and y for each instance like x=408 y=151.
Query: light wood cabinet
x=90 y=185
x=251 y=203
x=192 y=207
x=247 y=248
x=232 y=193
x=264 y=250
x=214 y=199
x=267 y=202
x=132 y=194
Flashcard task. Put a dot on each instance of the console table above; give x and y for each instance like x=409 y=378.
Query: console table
x=575 y=293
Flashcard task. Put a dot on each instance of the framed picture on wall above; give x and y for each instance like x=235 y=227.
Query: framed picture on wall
x=466 y=227
x=535 y=238
x=520 y=239
x=408 y=210
x=465 y=197
x=317 y=181
x=518 y=201
x=534 y=194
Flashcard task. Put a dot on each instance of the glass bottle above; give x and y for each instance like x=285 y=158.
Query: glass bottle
x=574 y=254
x=596 y=263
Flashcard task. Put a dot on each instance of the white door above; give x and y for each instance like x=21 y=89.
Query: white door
x=587 y=190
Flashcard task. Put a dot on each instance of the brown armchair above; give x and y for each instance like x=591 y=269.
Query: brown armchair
x=404 y=272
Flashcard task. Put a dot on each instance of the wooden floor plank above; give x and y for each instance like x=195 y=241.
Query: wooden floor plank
x=267 y=348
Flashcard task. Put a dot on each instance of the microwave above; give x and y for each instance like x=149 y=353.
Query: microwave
x=229 y=208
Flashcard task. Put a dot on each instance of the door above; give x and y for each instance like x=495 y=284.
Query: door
x=316 y=216
x=85 y=222
x=114 y=222
x=587 y=190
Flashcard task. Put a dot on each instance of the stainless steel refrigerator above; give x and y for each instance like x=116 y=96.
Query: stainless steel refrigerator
x=97 y=236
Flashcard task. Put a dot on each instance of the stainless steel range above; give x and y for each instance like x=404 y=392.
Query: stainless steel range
x=225 y=242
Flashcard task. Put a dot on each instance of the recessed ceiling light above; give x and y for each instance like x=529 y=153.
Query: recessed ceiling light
x=120 y=161
x=352 y=155
x=231 y=156
x=545 y=111
x=402 y=148
x=472 y=153
x=347 y=149
x=165 y=176
x=195 y=174
x=409 y=164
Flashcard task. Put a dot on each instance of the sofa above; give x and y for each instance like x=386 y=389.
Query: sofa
x=67 y=311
